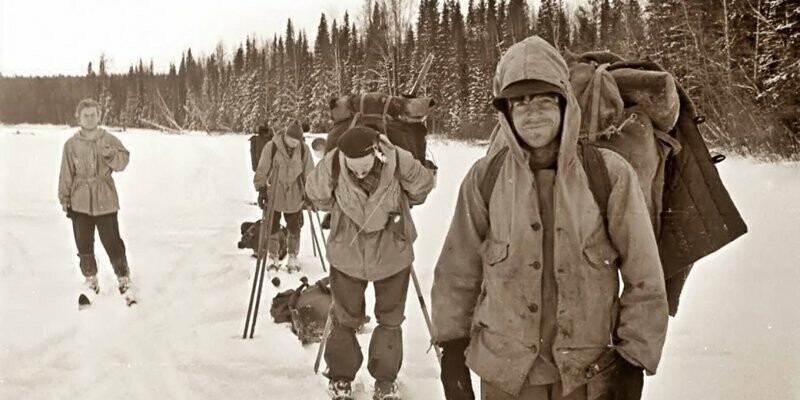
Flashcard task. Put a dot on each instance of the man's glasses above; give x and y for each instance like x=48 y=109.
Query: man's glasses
x=538 y=101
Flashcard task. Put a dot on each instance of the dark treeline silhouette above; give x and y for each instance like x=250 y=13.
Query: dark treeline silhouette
x=738 y=59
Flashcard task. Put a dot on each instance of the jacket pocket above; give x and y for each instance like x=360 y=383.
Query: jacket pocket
x=601 y=375
x=494 y=252
x=336 y=220
x=601 y=255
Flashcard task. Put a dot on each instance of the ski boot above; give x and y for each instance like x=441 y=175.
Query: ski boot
x=386 y=390
x=292 y=264
x=273 y=263
x=340 y=390
x=124 y=284
x=92 y=284
x=126 y=290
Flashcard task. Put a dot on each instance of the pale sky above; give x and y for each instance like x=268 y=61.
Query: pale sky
x=49 y=37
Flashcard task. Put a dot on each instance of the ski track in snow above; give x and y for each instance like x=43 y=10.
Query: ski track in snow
x=183 y=198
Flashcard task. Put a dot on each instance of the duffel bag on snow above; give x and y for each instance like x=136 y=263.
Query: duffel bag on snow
x=305 y=307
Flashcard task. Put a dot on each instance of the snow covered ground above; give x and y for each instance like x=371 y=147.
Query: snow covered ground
x=183 y=198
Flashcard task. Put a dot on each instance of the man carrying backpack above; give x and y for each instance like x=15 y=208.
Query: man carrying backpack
x=257 y=143
x=368 y=185
x=526 y=289
x=290 y=156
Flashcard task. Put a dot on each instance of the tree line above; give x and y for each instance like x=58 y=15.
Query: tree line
x=738 y=60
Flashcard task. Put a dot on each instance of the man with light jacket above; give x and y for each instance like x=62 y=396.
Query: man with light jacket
x=526 y=289
x=287 y=154
x=368 y=185
x=88 y=195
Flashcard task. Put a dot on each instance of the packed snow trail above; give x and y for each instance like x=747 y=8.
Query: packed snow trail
x=182 y=200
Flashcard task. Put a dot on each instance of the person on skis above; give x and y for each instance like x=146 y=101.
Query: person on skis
x=526 y=289
x=290 y=156
x=88 y=195
x=368 y=185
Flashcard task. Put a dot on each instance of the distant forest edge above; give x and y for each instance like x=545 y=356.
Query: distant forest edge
x=738 y=59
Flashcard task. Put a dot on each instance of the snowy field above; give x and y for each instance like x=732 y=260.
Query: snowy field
x=183 y=198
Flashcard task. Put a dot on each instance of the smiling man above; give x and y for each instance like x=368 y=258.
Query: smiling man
x=526 y=289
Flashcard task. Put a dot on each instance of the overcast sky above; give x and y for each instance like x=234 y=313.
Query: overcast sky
x=51 y=37
x=39 y=37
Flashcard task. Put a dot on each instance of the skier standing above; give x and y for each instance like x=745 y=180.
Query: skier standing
x=292 y=156
x=88 y=195
x=368 y=185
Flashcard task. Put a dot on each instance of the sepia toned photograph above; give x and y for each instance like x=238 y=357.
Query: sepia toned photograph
x=400 y=200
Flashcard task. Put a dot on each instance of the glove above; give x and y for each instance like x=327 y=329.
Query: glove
x=309 y=205
x=455 y=375
x=263 y=199
x=68 y=210
x=430 y=165
x=628 y=381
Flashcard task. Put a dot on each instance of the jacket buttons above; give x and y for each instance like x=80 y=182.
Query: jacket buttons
x=536 y=265
x=533 y=308
x=536 y=226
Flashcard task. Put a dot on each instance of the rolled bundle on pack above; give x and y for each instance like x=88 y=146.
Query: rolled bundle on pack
x=653 y=91
x=598 y=96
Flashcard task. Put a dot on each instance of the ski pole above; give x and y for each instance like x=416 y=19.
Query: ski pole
x=315 y=240
x=425 y=313
x=257 y=273
x=270 y=211
x=252 y=297
x=313 y=233
x=321 y=231
x=325 y=333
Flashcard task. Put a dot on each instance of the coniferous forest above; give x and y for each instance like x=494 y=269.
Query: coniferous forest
x=739 y=60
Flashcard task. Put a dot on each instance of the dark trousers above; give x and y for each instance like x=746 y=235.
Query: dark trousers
x=294 y=221
x=83 y=227
x=342 y=351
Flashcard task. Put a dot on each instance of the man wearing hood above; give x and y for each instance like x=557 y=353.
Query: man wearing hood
x=289 y=157
x=526 y=289
x=88 y=195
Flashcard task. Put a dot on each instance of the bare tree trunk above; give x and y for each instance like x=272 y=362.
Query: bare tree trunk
x=158 y=126
x=727 y=42
x=758 y=34
x=166 y=113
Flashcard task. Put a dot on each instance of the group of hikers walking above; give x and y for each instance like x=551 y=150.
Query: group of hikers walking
x=546 y=287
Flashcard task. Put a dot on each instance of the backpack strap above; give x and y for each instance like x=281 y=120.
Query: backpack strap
x=296 y=295
x=593 y=165
x=335 y=170
x=597 y=174
x=490 y=177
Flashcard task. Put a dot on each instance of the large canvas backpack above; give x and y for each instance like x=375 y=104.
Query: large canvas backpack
x=638 y=110
x=401 y=119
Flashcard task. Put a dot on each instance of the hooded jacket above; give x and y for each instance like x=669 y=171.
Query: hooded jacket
x=360 y=244
x=486 y=281
x=292 y=173
x=85 y=183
